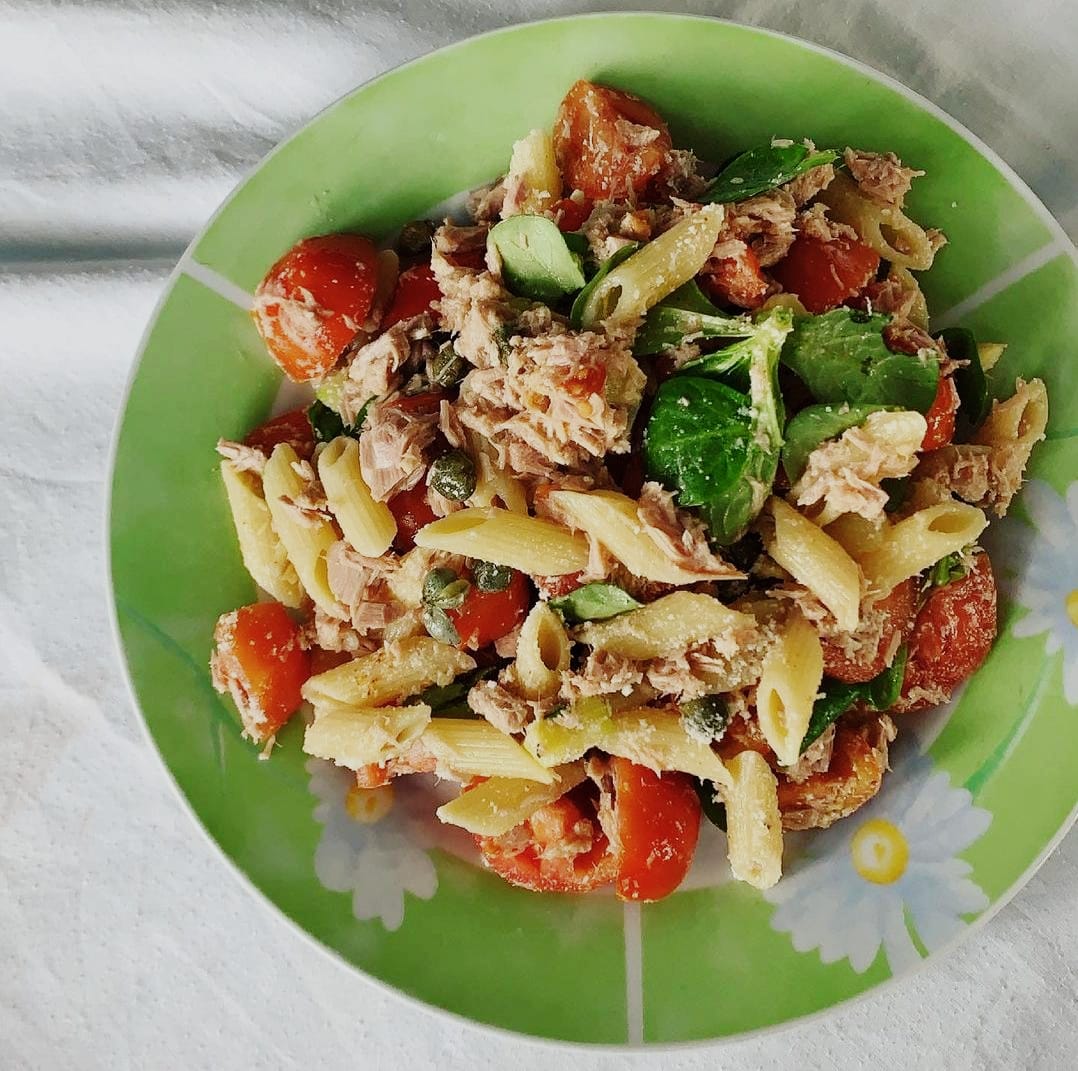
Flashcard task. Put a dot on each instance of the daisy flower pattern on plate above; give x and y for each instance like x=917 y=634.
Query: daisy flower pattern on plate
x=895 y=860
x=1045 y=576
x=369 y=846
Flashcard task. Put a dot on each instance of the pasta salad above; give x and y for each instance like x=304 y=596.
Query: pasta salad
x=642 y=495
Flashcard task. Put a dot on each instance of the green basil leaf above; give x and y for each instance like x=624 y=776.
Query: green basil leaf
x=594 y=602
x=885 y=688
x=536 y=261
x=450 y=700
x=685 y=316
x=325 y=422
x=817 y=424
x=973 y=397
x=576 y=314
x=841 y=357
x=714 y=809
x=762 y=169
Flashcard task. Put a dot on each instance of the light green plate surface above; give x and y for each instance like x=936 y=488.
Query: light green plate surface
x=977 y=797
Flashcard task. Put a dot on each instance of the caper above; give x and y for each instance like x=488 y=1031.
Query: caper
x=453 y=476
x=447 y=368
x=491 y=577
x=443 y=588
x=440 y=626
x=415 y=238
x=706 y=717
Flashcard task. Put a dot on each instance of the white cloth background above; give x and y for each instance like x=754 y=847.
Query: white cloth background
x=124 y=940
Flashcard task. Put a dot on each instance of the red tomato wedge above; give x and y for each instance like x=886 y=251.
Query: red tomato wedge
x=898 y=609
x=411 y=511
x=825 y=274
x=486 y=616
x=571 y=214
x=292 y=428
x=416 y=292
x=658 y=819
x=952 y=636
x=609 y=143
x=314 y=301
x=259 y=660
x=941 y=416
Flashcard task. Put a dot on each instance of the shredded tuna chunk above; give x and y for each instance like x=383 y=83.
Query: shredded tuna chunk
x=904 y=336
x=893 y=296
x=502 y=707
x=361 y=585
x=803 y=188
x=245 y=458
x=449 y=424
x=845 y=474
x=681 y=176
x=485 y=204
x=337 y=634
x=309 y=505
x=881 y=176
x=475 y=307
x=612 y=225
x=765 y=223
x=377 y=368
x=815 y=759
x=391 y=449
x=603 y=673
x=680 y=535
x=814 y=222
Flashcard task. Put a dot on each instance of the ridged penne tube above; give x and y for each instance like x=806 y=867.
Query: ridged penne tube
x=990 y=353
x=918 y=313
x=789 y=683
x=857 y=535
x=264 y=556
x=305 y=538
x=494 y=484
x=555 y=740
x=392 y=672
x=816 y=560
x=657 y=270
x=470 y=747
x=671 y=623
x=533 y=171
x=358 y=736
x=542 y=652
x=657 y=739
x=502 y=803
x=884 y=228
x=612 y=519
x=753 y=821
x=921 y=540
x=367 y=525
x=530 y=544
x=1017 y=423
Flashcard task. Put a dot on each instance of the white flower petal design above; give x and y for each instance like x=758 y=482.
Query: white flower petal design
x=896 y=857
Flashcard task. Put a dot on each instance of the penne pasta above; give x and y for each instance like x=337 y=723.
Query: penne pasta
x=753 y=821
x=471 y=747
x=264 y=556
x=305 y=536
x=558 y=739
x=816 y=560
x=393 y=672
x=789 y=683
x=503 y=803
x=493 y=484
x=990 y=353
x=367 y=525
x=542 y=652
x=532 y=545
x=360 y=736
x=533 y=182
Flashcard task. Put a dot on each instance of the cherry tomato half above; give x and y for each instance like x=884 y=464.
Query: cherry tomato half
x=824 y=274
x=486 y=616
x=941 y=416
x=898 y=609
x=571 y=213
x=412 y=511
x=416 y=292
x=292 y=428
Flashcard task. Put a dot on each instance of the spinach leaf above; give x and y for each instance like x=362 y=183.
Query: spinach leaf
x=684 y=316
x=450 y=700
x=837 y=697
x=576 y=314
x=326 y=423
x=716 y=446
x=973 y=397
x=594 y=602
x=536 y=261
x=817 y=424
x=764 y=168
x=841 y=357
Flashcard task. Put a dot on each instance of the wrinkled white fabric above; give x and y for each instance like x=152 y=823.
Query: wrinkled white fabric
x=124 y=940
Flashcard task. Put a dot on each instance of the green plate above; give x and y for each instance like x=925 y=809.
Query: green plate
x=980 y=792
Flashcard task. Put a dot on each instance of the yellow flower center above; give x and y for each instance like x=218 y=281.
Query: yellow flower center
x=880 y=852
x=1072 y=607
x=369 y=805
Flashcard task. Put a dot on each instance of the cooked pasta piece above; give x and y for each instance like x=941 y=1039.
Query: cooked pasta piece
x=920 y=541
x=753 y=822
x=657 y=739
x=367 y=525
x=990 y=353
x=883 y=227
x=360 y=736
x=656 y=270
x=502 y=803
x=264 y=556
x=471 y=747
x=393 y=672
x=533 y=182
x=818 y=561
x=561 y=738
x=493 y=484
x=857 y=535
x=306 y=537
x=671 y=623
x=1016 y=425
x=542 y=652
x=535 y=546
x=789 y=683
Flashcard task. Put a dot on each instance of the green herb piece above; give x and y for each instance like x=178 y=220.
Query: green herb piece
x=490 y=577
x=974 y=400
x=947 y=570
x=443 y=589
x=439 y=625
x=762 y=169
x=576 y=314
x=817 y=424
x=558 y=712
x=837 y=697
x=841 y=357
x=594 y=602
x=415 y=238
x=447 y=368
x=326 y=423
x=718 y=447
x=536 y=261
x=453 y=476
x=685 y=316
x=706 y=717
x=714 y=809
x=450 y=700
